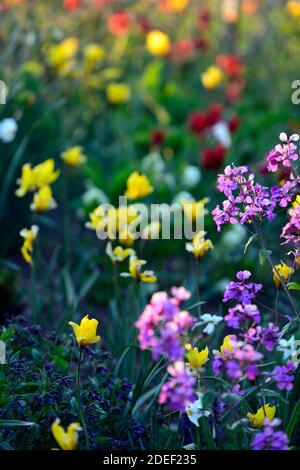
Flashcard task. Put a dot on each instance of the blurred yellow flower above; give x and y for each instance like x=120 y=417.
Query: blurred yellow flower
x=67 y=440
x=73 y=156
x=199 y=245
x=212 y=77
x=178 y=6
x=138 y=186
x=135 y=271
x=43 y=200
x=257 y=419
x=33 y=178
x=86 y=332
x=284 y=272
x=158 y=43
x=60 y=55
x=111 y=73
x=118 y=254
x=293 y=8
x=118 y=93
x=113 y=221
x=29 y=236
x=194 y=210
x=196 y=358
x=93 y=55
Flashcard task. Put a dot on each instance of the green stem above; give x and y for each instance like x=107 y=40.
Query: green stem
x=197 y=280
x=81 y=416
x=278 y=274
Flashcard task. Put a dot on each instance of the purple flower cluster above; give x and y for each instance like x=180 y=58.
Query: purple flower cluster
x=268 y=335
x=242 y=291
x=237 y=361
x=246 y=200
x=269 y=439
x=163 y=324
x=178 y=392
x=242 y=315
x=284 y=377
x=283 y=155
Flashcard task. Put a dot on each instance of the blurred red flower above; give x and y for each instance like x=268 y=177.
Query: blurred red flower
x=230 y=64
x=197 y=122
x=72 y=5
x=119 y=23
x=213 y=158
x=204 y=18
x=214 y=114
x=182 y=50
x=157 y=137
x=234 y=124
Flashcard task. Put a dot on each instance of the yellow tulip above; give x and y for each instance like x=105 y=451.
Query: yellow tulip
x=29 y=236
x=126 y=235
x=86 y=332
x=135 y=271
x=34 y=178
x=119 y=253
x=257 y=419
x=212 y=77
x=226 y=348
x=118 y=93
x=296 y=203
x=151 y=231
x=196 y=358
x=60 y=54
x=284 y=272
x=138 y=186
x=73 y=156
x=199 y=245
x=158 y=43
x=43 y=200
x=67 y=440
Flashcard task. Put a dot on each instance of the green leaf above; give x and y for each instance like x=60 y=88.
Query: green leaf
x=293 y=286
x=16 y=422
x=250 y=240
x=61 y=362
x=293 y=420
x=263 y=254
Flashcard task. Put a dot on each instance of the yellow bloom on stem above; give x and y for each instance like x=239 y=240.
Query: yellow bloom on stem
x=196 y=358
x=27 y=181
x=73 y=156
x=284 y=271
x=138 y=186
x=293 y=8
x=257 y=419
x=29 y=236
x=193 y=210
x=118 y=93
x=67 y=440
x=118 y=254
x=43 y=200
x=212 y=77
x=60 y=55
x=158 y=43
x=199 y=245
x=40 y=175
x=93 y=55
x=226 y=348
x=135 y=271
x=127 y=235
x=86 y=332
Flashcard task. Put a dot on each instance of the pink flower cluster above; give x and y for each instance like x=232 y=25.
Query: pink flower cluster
x=178 y=392
x=283 y=155
x=291 y=231
x=163 y=324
